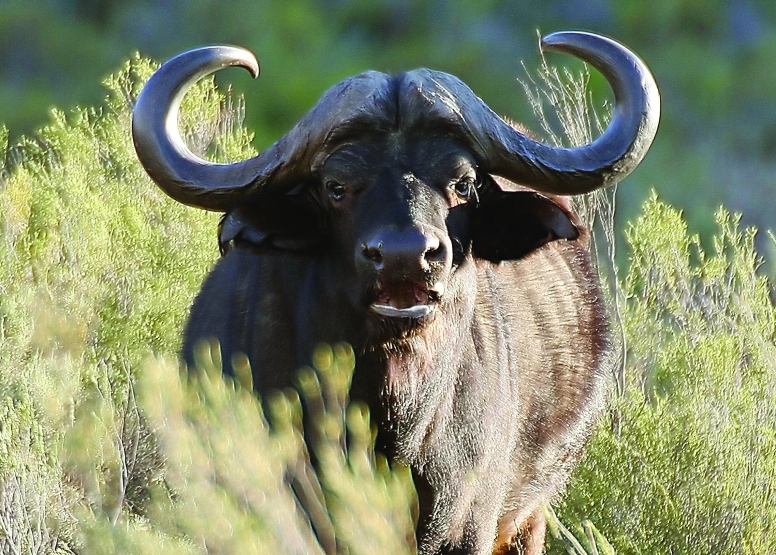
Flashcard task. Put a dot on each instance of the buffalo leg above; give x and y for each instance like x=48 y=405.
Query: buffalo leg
x=529 y=539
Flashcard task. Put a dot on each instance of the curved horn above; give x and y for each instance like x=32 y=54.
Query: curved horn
x=623 y=144
x=159 y=145
x=507 y=152
x=203 y=184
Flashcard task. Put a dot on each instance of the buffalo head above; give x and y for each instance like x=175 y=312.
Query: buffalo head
x=396 y=174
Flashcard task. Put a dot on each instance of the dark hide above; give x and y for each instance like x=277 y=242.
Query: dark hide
x=491 y=396
x=494 y=390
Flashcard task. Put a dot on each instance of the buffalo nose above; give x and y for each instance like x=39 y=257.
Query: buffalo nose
x=408 y=249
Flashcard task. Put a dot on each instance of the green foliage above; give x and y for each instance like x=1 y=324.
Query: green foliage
x=91 y=281
x=584 y=540
x=101 y=452
x=92 y=258
x=686 y=463
x=236 y=483
x=106 y=447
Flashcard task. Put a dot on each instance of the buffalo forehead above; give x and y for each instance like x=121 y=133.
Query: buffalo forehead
x=429 y=157
x=431 y=97
x=419 y=100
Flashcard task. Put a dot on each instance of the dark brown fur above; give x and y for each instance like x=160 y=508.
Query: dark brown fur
x=491 y=399
x=471 y=302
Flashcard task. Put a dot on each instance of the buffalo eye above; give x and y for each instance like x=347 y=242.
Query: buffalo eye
x=335 y=190
x=466 y=186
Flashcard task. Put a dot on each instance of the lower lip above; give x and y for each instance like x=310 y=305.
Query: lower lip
x=417 y=311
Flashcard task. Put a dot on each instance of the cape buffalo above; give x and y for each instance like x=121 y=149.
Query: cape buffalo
x=403 y=216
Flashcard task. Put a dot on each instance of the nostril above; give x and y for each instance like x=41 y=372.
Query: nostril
x=372 y=252
x=434 y=252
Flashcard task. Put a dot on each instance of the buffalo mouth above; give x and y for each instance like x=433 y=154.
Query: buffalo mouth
x=405 y=300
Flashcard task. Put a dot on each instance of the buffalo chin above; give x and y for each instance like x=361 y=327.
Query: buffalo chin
x=389 y=328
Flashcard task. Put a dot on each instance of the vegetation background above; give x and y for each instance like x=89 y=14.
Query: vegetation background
x=105 y=448
x=713 y=60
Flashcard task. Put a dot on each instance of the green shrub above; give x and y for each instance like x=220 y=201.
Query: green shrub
x=92 y=279
x=235 y=484
x=107 y=447
x=686 y=461
x=101 y=452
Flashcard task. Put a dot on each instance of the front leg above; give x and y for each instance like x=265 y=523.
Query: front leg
x=529 y=539
x=473 y=537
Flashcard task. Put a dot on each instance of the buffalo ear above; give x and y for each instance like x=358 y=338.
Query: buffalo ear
x=279 y=221
x=507 y=225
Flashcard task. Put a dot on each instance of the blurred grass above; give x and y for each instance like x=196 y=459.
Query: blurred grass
x=237 y=482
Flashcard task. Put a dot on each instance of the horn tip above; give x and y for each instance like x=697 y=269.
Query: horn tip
x=241 y=57
x=559 y=40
